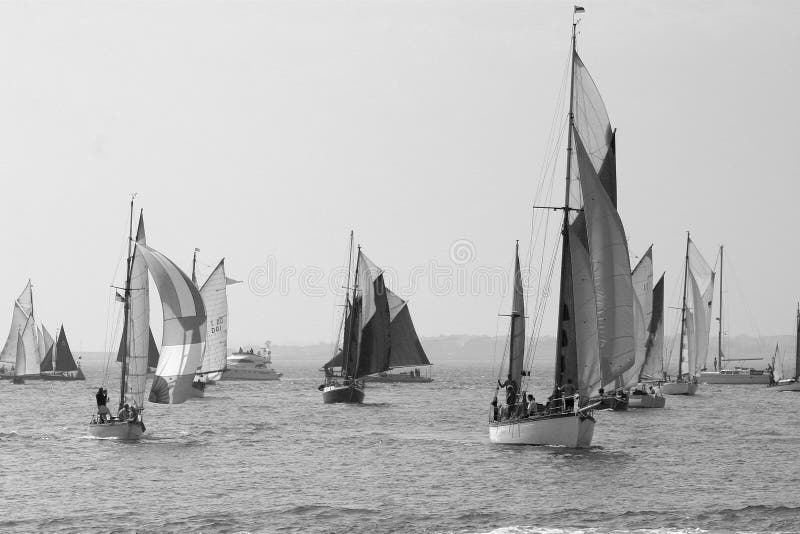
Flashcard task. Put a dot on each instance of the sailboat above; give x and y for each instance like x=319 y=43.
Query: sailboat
x=737 y=375
x=215 y=298
x=24 y=326
x=378 y=335
x=646 y=393
x=695 y=322
x=184 y=331
x=58 y=363
x=794 y=383
x=595 y=340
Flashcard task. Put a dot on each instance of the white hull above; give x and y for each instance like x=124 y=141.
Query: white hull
x=678 y=388
x=568 y=431
x=711 y=377
x=116 y=430
x=251 y=374
x=794 y=386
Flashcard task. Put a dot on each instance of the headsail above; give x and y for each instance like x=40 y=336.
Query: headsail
x=47 y=362
x=152 y=351
x=30 y=348
x=184 y=329
x=653 y=368
x=63 y=355
x=406 y=349
x=19 y=359
x=215 y=299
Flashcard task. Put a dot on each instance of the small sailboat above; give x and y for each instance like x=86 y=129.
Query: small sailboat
x=595 y=340
x=184 y=331
x=378 y=335
x=698 y=294
x=215 y=298
x=58 y=363
x=793 y=384
x=737 y=375
x=24 y=326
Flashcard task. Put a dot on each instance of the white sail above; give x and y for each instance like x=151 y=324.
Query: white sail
x=216 y=302
x=31 y=348
x=19 y=358
x=23 y=308
x=700 y=296
x=642 y=279
x=585 y=320
x=611 y=274
x=138 y=328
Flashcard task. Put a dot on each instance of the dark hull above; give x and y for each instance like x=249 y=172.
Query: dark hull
x=398 y=379
x=62 y=377
x=610 y=402
x=339 y=394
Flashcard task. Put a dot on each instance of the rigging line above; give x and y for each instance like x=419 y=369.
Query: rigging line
x=676 y=287
x=743 y=299
x=109 y=307
x=542 y=307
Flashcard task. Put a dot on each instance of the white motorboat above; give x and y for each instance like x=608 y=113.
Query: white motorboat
x=251 y=365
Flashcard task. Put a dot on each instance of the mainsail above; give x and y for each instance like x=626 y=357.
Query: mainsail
x=642 y=279
x=136 y=332
x=700 y=278
x=184 y=331
x=59 y=356
x=367 y=334
x=516 y=349
x=595 y=342
x=215 y=299
x=653 y=368
x=152 y=351
x=19 y=359
x=29 y=348
x=22 y=314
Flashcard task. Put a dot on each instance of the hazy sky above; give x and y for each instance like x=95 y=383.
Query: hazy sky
x=265 y=131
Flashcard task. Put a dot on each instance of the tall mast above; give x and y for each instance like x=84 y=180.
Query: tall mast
x=347 y=344
x=683 y=312
x=559 y=379
x=123 y=379
x=719 y=342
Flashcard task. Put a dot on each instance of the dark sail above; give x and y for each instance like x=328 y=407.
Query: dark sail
x=406 y=348
x=64 y=358
x=375 y=346
x=152 y=351
x=654 y=346
x=516 y=349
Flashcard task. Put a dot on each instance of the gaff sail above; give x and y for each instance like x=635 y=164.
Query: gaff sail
x=653 y=368
x=136 y=333
x=700 y=296
x=215 y=298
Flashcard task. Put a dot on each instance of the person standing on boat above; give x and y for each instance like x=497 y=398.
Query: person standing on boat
x=102 y=399
x=569 y=394
x=511 y=391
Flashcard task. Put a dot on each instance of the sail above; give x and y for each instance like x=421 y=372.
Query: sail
x=516 y=349
x=216 y=303
x=23 y=308
x=700 y=279
x=610 y=268
x=371 y=320
x=64 y=361
x=184 y=331
x=406 y=349
x=152 y=351
x=642 y=280
x=797 y=348
x=30 y=348
x=47 y=362
x=777 y=364
x=592 y=124
x=653 y=368
x=135 y=332
x=19 y=358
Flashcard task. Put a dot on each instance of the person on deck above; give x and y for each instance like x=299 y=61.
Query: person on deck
x=569 y=394
x=124 y=413
x=532 y=408
x=511 y=391
x=495 y=411
x=102 y=399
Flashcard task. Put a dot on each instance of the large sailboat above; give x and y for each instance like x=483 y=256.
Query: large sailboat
x=595 y=340
x=58 y=363
x=794 y=383
x=184 y=332
x=24 y=327
x=215 y=298
x=378 y=335
x=739 y=374
x=698 y=295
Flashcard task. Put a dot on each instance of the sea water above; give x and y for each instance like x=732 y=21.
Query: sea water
x=271 y=457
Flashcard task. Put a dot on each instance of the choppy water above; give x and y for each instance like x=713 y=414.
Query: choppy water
x=270 y=457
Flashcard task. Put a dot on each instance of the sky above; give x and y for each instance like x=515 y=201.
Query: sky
x=263 y=132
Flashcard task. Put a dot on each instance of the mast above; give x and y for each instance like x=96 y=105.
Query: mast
x=683 y=311
x=126 y=315
x=797 y=348
x=347 y=344
x=719 y=341
x=565 y=262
